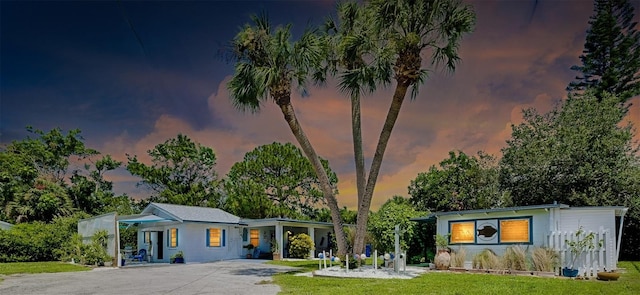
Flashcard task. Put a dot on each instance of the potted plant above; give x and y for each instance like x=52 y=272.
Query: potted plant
x=249 y=248
x=178 y=257
x=579 y=245
x=443 y=258
x=275 y=249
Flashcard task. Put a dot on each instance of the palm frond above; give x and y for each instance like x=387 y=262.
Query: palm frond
x=247 y=87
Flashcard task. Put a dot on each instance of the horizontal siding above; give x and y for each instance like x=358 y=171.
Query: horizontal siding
x=589 y=219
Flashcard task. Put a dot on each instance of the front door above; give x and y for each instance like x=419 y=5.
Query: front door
x=159 y=247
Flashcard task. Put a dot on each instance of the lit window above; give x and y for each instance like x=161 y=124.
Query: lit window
x=254 y=236
x=514 y=231
x=463 y=232
x=172 y=237
x=214 y=237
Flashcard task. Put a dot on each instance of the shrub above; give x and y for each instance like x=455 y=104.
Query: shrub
x=458 y=257
x=515 y=258
x=29 y=242
x=544 y=259
x=487 y=259
x=301 y=245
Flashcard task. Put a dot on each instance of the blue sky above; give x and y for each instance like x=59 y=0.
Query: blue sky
x=131 y=75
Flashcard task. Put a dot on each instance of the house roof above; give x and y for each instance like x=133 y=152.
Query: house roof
x=276 y=219
x=5 y=224
x=432 y=216
x=193 y=213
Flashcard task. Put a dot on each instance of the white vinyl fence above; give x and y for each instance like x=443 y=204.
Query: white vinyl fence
x=590 y=262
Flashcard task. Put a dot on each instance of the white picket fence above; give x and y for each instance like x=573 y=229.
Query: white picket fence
x=591 y=261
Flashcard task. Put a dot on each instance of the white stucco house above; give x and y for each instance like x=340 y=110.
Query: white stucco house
x=208 y=234
x=547 y=225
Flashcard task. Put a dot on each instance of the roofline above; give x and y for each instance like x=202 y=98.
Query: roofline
x=278 y=219
x=619 y=210
x=164 y=211
x=465 y=212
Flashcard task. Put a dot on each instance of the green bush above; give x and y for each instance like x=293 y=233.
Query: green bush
x=29 y=242
x=37 y=241
x=89 y=254
x=301 y=245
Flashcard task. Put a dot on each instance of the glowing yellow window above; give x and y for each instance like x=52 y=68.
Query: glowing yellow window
x=254 y=237
x=214 y=237
x=514 y=231
x=463 y=232
x=172 y=237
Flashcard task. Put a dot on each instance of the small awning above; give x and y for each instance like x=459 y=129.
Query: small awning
x=144 y=219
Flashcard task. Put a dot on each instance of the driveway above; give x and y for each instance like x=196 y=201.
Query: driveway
x=224 y=277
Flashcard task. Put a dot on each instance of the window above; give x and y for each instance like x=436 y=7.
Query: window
x=492 y=231
x=254 y=236
x=216 y=237
x=514 y=231
x=463 y=232
x=147 y=237
x=172 y=237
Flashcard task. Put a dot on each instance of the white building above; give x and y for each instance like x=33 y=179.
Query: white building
x=541 y=225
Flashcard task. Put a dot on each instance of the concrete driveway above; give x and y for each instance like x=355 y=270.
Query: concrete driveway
x=224 y=277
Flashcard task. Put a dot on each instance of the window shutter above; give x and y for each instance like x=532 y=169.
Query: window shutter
x=177 y=237
x=168 y=237
x=224 y=237
x=208 y=242
x=244 y=234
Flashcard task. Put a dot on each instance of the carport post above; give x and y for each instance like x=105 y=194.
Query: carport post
x=279 y=239
x=117 y=242
x=312 y=234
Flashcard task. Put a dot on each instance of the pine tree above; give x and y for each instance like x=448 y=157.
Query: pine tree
x=611 y=55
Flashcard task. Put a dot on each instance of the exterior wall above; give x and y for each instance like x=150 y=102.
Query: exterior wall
x=538 y=229
x=192 y=242
x=589 y=219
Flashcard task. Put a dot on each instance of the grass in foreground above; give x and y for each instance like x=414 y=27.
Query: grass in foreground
x=456 y=283
x=39 y=267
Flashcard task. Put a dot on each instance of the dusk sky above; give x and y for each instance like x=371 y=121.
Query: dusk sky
x=131 y=75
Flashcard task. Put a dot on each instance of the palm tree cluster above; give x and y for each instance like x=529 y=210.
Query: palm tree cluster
x=367 y=45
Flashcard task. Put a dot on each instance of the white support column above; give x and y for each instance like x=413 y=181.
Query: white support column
x=312 y=233
x=279 y=239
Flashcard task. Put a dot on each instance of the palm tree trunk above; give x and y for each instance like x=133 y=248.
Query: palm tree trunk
x=385 y=134
x=356 y=131
x=325 y=185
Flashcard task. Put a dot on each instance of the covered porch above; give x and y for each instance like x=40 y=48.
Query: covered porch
x=263 y=232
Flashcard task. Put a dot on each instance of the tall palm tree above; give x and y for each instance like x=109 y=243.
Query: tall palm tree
x=356 y=53
x=411 y=28
x=268 y=66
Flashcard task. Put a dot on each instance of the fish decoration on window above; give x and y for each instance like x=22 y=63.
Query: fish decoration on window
x=487 y=231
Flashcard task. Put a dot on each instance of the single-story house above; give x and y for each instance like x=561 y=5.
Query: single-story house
x=540 y=225
x=209 y=234
x=5 y=225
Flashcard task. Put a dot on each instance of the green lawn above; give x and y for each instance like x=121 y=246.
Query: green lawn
x=456 y=283
x=39 y=267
